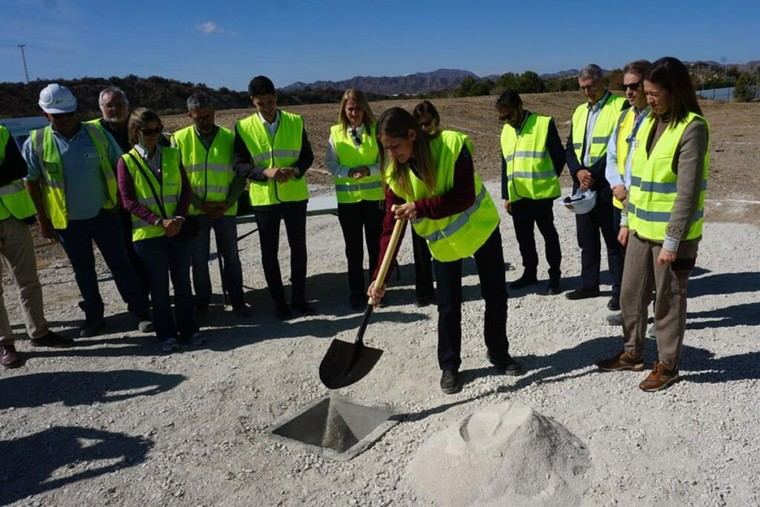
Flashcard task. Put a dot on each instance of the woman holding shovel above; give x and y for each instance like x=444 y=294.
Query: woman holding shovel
x=434 y=186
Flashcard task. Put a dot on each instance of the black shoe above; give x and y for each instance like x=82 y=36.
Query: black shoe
x=422 y=300
x=302 y=307
x=242 y=310
x=194 y=339
x=582 y=294
x=524 y=281
x=553 y=288
x=54 y=340
x=613 y=304
x=506 y=365
x=282 y=311
x=358 y=302
x=92 y=328
x=451 y=382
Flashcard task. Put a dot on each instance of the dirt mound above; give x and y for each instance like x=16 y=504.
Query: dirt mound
x=505 y=454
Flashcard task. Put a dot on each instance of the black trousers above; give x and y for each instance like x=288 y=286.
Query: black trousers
x=489 y=259
x=361 y=220
x=589 y=226
x=142 y=275
x=525 y=214
x=268 y=221
x=423 y=268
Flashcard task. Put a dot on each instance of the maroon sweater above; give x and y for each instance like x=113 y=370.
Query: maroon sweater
x=459 y=198
x=129 y=199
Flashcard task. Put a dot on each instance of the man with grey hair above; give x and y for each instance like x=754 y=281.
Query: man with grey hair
x=114 y=106
x=206 y=152
x=586 y=152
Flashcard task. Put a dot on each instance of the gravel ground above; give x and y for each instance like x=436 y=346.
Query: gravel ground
x=115 y=422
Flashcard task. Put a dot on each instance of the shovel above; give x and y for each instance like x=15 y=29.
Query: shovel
x=346 y=363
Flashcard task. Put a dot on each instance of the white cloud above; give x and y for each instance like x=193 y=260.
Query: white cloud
x=211 y=28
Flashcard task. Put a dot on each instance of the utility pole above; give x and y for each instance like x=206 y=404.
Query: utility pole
x=23 y=58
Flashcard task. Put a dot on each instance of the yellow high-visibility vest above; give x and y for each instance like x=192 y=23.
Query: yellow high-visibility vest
x=462 y=234
x=53 y=182
x=168 y=189
x=654 y=184
x=605 y=124
x=368 y=188
x=209 y=171
x=14 y=198
x=280 y=150
x=529 y=167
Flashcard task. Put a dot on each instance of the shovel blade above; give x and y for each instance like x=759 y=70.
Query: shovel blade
x=346 y=363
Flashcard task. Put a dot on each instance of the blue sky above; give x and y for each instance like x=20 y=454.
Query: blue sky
x=225 y=43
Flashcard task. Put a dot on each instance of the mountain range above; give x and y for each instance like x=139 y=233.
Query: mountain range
x=448 y=79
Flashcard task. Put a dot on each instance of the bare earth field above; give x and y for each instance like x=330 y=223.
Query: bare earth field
x=114 y=422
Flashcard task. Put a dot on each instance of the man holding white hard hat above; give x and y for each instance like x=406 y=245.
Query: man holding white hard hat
x=586 y=150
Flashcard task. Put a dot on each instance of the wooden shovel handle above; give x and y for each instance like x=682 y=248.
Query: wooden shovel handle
x=388 y=257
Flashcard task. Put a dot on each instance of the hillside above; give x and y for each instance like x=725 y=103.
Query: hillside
x=158 y=93
x=411 y=84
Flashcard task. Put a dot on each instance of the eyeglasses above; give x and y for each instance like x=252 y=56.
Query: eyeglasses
x=152 y=132
x=632 y=86
x=63 y=115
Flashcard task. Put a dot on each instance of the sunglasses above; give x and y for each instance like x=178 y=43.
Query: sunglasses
x=152 y=132
x=632 y=86
x=63 y=115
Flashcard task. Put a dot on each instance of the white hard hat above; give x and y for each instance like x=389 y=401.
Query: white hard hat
x=581 y=202
x=57 y=99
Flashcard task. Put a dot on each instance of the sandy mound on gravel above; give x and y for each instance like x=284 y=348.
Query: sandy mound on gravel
x=505 y=454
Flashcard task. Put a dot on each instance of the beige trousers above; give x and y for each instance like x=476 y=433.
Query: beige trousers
x=641 y=275
x=17 y=250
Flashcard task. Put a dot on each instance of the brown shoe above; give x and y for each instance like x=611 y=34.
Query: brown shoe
x=623 y=361
x=8 y=357
x=659 y=379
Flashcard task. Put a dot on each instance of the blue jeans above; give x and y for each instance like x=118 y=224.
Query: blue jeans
x=225 y=231
x=161 y=257
x=105 y=230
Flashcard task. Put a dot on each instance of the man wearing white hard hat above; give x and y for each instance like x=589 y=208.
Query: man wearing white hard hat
x=590 y=129
x=73 y=186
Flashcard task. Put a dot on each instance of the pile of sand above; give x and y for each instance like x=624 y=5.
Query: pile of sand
x=503 y=454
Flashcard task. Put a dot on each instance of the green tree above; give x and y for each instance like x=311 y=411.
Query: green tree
x=530 y=82
x=745 y=89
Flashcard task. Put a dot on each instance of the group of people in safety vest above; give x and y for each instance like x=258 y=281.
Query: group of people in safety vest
x=638 y=164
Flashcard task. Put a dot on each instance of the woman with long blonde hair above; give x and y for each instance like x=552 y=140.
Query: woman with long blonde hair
x=352 y=159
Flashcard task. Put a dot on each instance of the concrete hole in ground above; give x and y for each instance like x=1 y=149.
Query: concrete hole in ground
x=337 y=426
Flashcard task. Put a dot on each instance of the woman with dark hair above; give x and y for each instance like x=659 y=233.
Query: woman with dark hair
x=434 y=185
x=426 y=115
x=154 y=188
x=665 y=215
x=352 y=158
